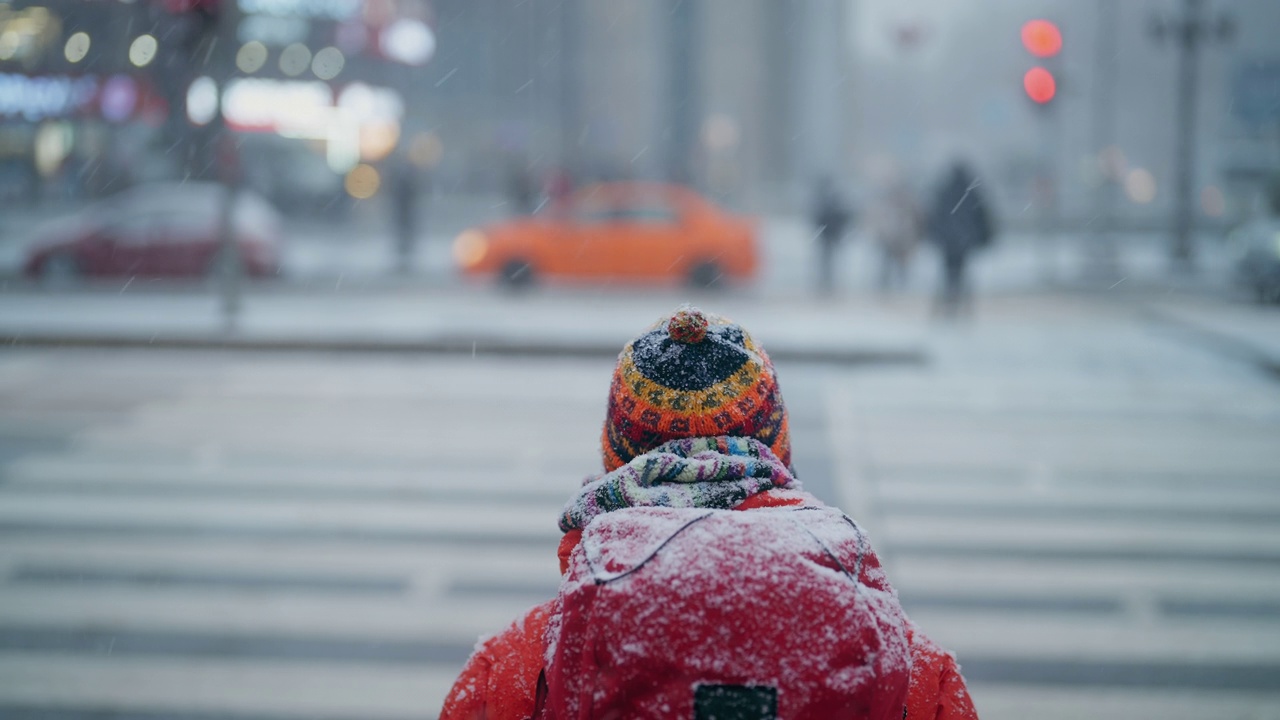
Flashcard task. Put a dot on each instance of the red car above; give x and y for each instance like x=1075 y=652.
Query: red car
x=156 y=231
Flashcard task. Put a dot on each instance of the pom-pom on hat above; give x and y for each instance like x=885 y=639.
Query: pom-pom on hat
x=692 y=374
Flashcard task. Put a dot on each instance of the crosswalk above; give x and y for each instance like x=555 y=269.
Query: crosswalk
x=1103 y=546
x=228 y=547
x=241 y=537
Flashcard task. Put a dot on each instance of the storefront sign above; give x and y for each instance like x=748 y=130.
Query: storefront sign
x=317 y=9
x=41 y=97
x=271 y=30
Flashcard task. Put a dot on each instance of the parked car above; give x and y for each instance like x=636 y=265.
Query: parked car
x=1257 y=265
x=162 y=230
x=616 y=231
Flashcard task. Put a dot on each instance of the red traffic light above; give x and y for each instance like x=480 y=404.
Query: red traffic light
x=1040 y=85
x=1041 y=38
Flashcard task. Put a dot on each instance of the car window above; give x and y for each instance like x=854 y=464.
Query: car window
x=593 y=209
x=642 y=208
x=658 y=214
x=182 y=227
x=129 y=229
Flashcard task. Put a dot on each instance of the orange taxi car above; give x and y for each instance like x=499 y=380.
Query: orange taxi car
x=616 y=231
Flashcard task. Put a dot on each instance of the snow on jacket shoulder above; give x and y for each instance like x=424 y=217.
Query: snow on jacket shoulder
x=937 y=690
x=500 y=680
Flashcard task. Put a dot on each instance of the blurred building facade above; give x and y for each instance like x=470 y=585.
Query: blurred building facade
x=937 y=80
x=725 y=94
x=729 y=95
x=749 y=100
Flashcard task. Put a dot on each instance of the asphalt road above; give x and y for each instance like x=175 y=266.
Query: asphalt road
x=1083 y=503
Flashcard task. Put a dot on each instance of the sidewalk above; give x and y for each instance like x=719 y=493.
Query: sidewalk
x=458 y=320
x=339 y=295
x=1247 y=331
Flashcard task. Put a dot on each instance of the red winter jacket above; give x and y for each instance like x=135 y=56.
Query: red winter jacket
x=500 y=680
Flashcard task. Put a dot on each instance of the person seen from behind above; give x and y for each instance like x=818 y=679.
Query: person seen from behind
x=896 y=224
x=699 y=578
x=406 y=192
x=830 y=219
x=959 y=224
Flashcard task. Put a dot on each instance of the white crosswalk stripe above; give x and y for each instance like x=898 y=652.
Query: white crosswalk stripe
x=1127 y=558
x=270 y=544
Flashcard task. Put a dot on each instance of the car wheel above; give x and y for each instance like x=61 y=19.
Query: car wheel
x=517 y=274
x=707 y=274
x=60 y=270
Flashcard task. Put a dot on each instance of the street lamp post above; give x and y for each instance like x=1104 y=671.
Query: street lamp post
x=1190 y=32
x=1043 y=39
x=201 y=45
x=1103 y=260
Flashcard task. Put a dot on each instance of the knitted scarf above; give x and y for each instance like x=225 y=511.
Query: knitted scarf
x=703 y=472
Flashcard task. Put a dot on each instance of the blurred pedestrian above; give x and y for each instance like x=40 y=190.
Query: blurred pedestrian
x=700 y=580
x=521 y=187
x=406 y=190
x=896 y=224
x=830 y=218
x=557 y=188
x=959 y=224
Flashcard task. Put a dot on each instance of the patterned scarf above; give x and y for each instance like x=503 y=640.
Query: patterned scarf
x=703 y=472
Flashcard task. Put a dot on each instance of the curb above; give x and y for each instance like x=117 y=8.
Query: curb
x=472 y=346
x=1221 y=342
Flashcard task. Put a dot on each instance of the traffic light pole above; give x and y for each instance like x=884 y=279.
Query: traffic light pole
x=202 y=45
x=1188 y=35
x=1050 y=175
x=1190 y=32
x=1043 y=40
x=1103 y=262
x=219 y=58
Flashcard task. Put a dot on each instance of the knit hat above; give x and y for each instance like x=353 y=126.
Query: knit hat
x=692 y=374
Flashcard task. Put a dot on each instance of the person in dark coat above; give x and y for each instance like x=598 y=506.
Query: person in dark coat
x=521 y=189
x=959 y=224
x=830 y=218
x=406 y=190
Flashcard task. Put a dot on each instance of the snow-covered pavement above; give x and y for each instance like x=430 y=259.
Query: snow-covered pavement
x=1079 y=499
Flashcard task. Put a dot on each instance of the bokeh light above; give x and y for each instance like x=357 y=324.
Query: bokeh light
x=1140 y=186
x=720 y=132
x=470 y=248
x=9 y=42
x=77 y=47
x=408 y=41
x=295 y=59
x=378 y=139
x=119 y=98
x=251 y=57
x=1041 y=38
x=1040 y=85
x=53 y=143
x=202 y=100
x=327 y=63
x=362 y=182
x=143 y=50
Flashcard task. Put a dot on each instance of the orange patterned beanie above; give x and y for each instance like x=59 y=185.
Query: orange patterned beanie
x=693 y=374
